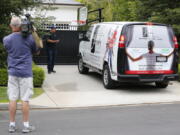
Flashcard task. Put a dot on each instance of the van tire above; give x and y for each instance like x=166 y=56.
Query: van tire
x=107 y=81
x=81 y=68
x=163 y=84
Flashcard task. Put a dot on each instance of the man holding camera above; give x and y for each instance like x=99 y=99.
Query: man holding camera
x=52 y=40
x=20 y=80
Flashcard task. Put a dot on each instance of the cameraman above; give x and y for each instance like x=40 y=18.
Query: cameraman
x=20 y=76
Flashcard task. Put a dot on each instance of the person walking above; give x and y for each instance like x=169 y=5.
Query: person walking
x=20 y=81
x=52 y=40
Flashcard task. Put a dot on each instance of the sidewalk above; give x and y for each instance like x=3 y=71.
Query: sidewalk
x=68 y=88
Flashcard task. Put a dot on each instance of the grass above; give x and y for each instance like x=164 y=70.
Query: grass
x=4 y=98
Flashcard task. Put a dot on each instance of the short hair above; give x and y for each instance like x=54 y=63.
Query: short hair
x=15 y=21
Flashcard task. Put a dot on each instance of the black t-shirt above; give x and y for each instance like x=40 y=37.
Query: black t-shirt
x=52 y=36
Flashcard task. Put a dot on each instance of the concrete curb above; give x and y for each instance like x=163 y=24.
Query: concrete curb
x=87 y=107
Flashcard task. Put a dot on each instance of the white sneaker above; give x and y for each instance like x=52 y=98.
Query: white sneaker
x=12 y=129
x=28 y=129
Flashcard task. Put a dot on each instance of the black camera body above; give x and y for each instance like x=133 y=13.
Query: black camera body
x=26 y=26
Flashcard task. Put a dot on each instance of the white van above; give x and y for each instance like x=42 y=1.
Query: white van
x=130 y=52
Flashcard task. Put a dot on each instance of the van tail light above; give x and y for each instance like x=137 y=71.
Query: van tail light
x=122 y=41
x=175 y=42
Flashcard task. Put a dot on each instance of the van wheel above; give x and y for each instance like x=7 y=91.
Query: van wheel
x=107 y=81
x=163 y=84
x=82 y=69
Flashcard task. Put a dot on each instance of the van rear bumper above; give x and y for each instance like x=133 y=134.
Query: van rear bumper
x=148 y=78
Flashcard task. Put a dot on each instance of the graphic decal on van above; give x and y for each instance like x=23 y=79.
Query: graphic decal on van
x=151 y=57
x=112 y=36
x=150 y=50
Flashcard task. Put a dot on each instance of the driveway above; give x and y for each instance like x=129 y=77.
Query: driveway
x=68 y=88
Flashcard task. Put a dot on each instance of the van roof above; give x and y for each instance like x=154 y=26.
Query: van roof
x=124 y=23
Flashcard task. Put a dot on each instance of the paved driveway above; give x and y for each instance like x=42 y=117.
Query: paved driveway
x=68 y=88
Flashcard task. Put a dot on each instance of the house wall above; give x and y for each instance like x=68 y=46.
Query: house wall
x=63 y=14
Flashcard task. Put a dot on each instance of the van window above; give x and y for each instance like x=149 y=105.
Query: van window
x=137 y=36
x=93 y=44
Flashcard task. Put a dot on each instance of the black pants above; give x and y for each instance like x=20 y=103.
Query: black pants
x=51 y=52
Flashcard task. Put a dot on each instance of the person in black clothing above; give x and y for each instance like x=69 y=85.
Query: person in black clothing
x=52 y=40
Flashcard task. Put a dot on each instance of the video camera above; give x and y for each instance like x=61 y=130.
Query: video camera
x=26 y=26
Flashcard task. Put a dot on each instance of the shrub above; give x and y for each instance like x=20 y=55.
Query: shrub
x=3 y=56
x=38 y=76
x=3 y=77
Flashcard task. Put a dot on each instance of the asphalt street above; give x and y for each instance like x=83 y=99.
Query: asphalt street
x=128 y=120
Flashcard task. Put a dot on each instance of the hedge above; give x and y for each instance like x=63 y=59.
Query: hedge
x=38 y=76
x=179 y=71
x=3 y=77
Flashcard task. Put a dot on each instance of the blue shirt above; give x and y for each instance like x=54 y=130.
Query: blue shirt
x=19 y=54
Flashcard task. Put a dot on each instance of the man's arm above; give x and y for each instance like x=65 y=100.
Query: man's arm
x=52 y=41
x=134 y=59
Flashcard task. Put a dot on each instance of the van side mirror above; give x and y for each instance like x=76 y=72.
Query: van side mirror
x=83 y=37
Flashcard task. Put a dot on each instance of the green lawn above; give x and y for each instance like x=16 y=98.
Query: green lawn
x=4 y=98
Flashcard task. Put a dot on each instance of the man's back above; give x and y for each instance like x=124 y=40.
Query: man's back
x=19 y=54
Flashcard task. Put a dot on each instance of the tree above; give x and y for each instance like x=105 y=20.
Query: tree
x=7 y=9
x=13 y=7
x=96 y=4
x=3 y=56
x=125 y=10
x=114 y=10
x=162 y=11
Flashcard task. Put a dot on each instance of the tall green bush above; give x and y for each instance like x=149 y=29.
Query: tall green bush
x=38 y=76
x=3 y=77
x=3 y=56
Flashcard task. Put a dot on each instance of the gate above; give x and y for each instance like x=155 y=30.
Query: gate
x=66 y=49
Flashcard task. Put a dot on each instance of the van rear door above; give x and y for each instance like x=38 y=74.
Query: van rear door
x=144 y=58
